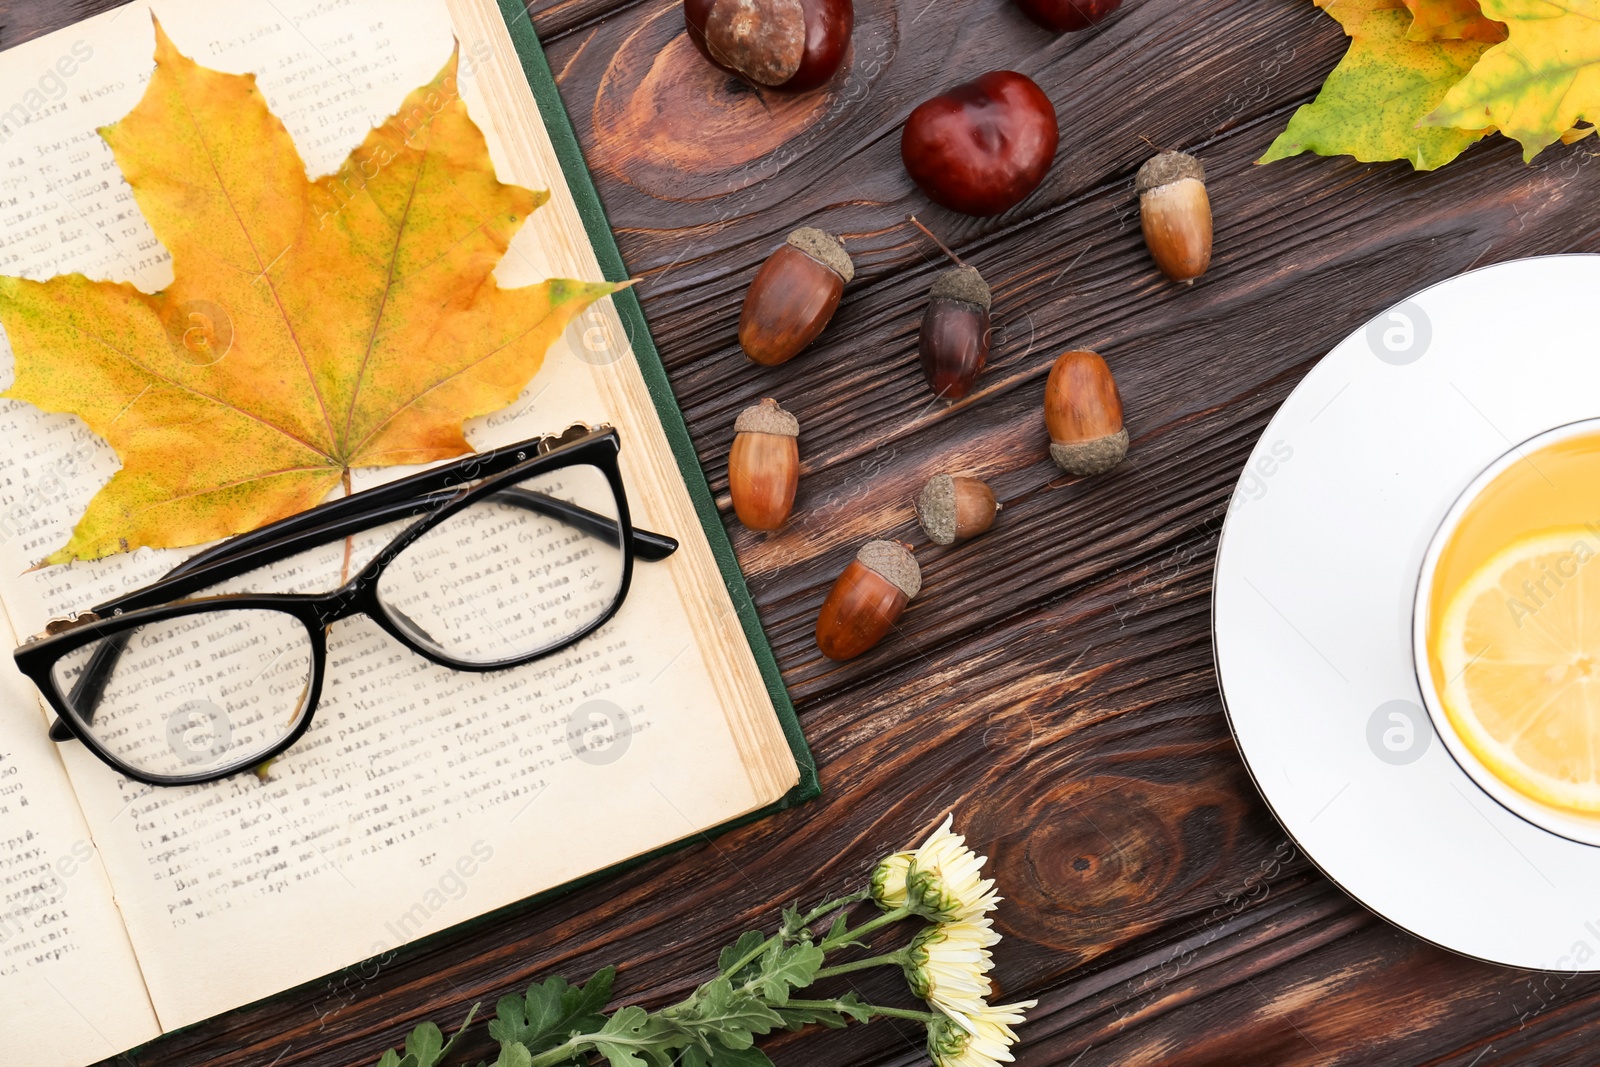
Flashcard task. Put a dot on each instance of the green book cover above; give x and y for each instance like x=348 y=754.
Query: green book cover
x=542 y=81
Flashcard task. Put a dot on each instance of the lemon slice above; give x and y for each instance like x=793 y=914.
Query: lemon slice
x=1518 y=655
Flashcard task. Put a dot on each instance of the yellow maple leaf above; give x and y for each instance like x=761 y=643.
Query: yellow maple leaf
x=310 y=328
x=1452 y=20
x=1540 y=82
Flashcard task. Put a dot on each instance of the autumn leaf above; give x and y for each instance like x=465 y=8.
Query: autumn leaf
x=1538 y=84
x=1452 y=20
x=1371 y=103
x=311 y=327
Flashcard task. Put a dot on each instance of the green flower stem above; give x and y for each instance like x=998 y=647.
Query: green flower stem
x=892 y=959
x=892 y=1013
x=834 y=905
x=866 y=928
x=816 y=913
x=561 y=1053
x=753 y=954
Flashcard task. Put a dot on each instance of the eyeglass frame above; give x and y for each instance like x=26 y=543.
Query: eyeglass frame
x=431 y=497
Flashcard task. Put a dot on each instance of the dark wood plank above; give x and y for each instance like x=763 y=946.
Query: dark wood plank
x=1054 y=681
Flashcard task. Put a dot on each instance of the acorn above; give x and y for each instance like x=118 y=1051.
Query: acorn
x=954 y=343
x=1083 y=412
x=954 y=508
x=1175 y=213
x=764 y=465
x=794 y=294
x=792 y=45
x=867 y=599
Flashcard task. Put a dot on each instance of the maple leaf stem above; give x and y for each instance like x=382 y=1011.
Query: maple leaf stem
x=350 y=541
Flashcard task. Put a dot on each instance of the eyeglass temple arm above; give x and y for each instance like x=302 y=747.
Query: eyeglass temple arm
x=89 y=689
x=309 y=529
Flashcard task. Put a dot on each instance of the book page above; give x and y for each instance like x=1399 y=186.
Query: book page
x=70 y=989
x=419 y=797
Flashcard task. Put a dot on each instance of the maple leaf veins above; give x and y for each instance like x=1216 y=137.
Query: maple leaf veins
x=310 y=327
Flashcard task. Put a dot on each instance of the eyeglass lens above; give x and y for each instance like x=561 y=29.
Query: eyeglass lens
x=520 y=571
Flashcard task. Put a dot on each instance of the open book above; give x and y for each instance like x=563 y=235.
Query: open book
x=421 y=797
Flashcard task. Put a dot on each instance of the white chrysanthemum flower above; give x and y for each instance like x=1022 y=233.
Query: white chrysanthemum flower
x=948 y=966
x=944 y=881
x=889 y=881
x=986 y=1043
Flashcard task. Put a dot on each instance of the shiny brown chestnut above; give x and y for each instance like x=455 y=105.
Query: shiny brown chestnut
x=793 y=296
x=954 y=508
x=1083 y=412
x=764 y=465
x=868 y=598
x=792 y=45
x=982 y=147
x=1067 y=16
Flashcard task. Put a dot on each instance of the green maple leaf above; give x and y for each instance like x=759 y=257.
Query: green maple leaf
x=1370 y=106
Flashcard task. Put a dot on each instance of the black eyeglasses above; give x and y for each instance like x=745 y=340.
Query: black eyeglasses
x=501 y=558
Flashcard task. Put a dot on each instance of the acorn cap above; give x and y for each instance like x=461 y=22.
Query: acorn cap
x=825 y=248
x=1091 y=457
x=895 y=563
x=1167 y=168
x=936 y=509
x=962 y=283
x=767 y=417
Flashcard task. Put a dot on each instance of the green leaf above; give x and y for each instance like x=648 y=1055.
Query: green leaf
x=1371 y=104
x=552 y=1011
x=844 y=1009
x=722 y=1056
x=734 y=1017
x=448 y=1045
x=785 y=969
x=629 y=1032
x=514 y=1055
x=425 y=1045
x=748 y=942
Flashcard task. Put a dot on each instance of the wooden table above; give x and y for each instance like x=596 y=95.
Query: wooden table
x=1054 y=682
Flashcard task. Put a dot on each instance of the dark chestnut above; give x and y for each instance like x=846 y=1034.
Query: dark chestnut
x=793 y=45
x=984 y=146
x=1065 y=16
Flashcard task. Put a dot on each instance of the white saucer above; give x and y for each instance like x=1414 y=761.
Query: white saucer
x=1312 y=612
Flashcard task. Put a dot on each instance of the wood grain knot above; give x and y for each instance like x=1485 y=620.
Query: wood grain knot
x=1093 y=860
